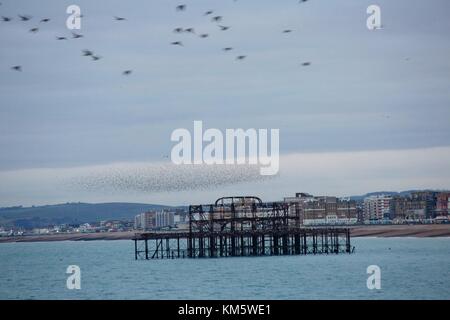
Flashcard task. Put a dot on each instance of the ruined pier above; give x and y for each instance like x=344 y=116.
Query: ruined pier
x=242 y=226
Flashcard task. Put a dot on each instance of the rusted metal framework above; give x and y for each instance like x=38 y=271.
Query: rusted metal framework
x=242 y=226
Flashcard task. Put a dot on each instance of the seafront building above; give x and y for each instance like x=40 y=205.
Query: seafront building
x=443 y=204
x=154 y=220
x=416 y=207
x=408 y=209
x=377 y=208
x=430 y=199
x=164 y=219
x=145 y=221
x=322 y=210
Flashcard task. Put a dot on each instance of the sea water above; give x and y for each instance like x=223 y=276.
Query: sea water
x=411 y=268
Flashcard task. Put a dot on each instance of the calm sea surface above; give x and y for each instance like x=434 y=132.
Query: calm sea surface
x=411 y=268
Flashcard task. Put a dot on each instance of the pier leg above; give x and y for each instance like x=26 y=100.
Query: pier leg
x=167 y=248
x=297 y=244
x=263 y=245
x=146 y=249
x=255 y=245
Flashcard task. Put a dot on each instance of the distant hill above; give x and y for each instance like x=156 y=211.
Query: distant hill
x=71 y=213
x=388 y=193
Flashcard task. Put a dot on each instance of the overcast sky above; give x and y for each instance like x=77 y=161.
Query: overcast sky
x=370 y=113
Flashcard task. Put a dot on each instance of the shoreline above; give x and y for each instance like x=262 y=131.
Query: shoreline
x=381 y=231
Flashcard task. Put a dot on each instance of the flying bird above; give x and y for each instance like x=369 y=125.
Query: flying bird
x=178 y=30
x=305 y=64
x=76 y=35
x=61 y=38
x=216 y=19
x=227 y=49
x=119 y=18
x=190 y=30
x=95 y=58
x=17 y=68
x=87 y=53
x=24 y=18
x=34 y=30
x=181 y=7
x=6 y=19
x=287 y=31
x=241 y=57
x=177 y=43
x=204 y=35
x=223 y=28
x=207 y=13
x=45 y=20
x=127 y=72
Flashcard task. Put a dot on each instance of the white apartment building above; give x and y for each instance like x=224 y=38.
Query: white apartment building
x=145 y=221
x=377 y=208
x=165 y=219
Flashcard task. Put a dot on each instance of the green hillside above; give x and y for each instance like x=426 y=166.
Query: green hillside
x=71 y=213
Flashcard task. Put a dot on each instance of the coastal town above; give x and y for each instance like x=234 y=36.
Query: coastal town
x=415 y=208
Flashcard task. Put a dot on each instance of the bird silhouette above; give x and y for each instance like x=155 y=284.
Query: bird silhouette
x=76 y=35
x=241 y=57
x=17 y=68
x=181 y=7
x=24 y=18
x=178 y=30
x=207 y=13
x=34 y=30
x=95 y=58
x=177 y=43
x=87 y=53
x=45 y=20
x=61 y=38
x=227 y=49
x=204 y=35
x=119 y=18
x=189 y=30
x=305 y=64
x=6 y=19
x=287 y=31
x=216 y=18
x=223 y=28
x=127 y=72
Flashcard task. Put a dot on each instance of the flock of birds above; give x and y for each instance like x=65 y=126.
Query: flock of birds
x=75 y=35
x=217 y=19
x=214 y=18
x=178 y=30
x=161 y=177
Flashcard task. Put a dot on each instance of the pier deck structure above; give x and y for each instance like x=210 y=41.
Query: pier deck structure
x=242 y=226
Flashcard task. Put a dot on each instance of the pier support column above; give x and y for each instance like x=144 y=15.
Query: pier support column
x=146 y=249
